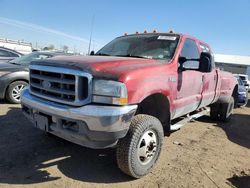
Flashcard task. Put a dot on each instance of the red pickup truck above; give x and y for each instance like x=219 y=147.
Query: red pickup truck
x=128 y=94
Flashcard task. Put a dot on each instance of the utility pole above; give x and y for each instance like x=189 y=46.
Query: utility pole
x=91 y=32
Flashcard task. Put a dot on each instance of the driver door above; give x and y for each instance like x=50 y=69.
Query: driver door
x=189 y=84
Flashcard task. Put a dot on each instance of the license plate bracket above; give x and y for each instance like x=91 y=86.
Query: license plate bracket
x=41 y=122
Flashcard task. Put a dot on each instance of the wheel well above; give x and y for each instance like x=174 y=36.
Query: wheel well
x=156 y=105
x=13 y=82
x=235 y=95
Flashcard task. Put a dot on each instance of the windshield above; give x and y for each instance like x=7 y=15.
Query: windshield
x=151 y=46
x=240 y=81
x=26 y=59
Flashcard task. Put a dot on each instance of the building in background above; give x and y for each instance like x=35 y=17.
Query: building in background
x=233 y=63
x=17 y=45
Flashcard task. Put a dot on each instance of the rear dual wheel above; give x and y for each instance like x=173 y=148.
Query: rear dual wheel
x=222 y=111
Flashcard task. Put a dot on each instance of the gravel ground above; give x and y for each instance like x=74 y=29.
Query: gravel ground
x=202 y=154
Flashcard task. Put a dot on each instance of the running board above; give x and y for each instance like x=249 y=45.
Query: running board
x=188 y=118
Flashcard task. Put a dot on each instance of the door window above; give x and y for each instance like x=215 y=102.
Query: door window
x=13 y=54
x=190 y=51
x=4 y=53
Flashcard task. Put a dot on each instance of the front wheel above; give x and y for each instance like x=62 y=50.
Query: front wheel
x=13 y=94
x=139 y=150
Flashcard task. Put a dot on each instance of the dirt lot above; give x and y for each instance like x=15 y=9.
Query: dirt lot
x=210 y=154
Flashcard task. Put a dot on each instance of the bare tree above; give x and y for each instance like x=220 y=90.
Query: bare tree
x=50 y=47
x=65 y=48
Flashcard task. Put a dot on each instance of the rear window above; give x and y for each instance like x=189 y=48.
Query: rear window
x=243 y=77
x=13 y=54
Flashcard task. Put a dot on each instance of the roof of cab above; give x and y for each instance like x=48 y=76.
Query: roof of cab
x=181 y=35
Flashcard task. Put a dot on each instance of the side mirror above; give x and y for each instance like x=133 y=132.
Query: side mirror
x=92 y=53
x=205 y=62
x=182 y=60
x=187 y=64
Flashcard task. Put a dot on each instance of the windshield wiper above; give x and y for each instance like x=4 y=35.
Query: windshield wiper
x=14 y=63
x=127 y=55
x=103 y=54
x=136 y=56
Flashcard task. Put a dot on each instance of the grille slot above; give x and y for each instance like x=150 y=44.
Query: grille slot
x=60 y=85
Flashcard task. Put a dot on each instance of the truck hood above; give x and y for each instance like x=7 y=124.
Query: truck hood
x=100 y=66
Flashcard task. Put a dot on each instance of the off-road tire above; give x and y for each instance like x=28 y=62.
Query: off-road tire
x=126 y=152
x=9 y=93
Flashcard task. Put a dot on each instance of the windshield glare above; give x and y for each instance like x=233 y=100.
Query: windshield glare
x=26 y=59
x=151 y=46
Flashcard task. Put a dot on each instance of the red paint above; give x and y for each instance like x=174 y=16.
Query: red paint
x=144 y=77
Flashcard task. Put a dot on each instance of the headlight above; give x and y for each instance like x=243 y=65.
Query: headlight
x=3 y=73
x=109 y=92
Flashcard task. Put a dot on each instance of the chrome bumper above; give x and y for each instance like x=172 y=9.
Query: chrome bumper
x=94 y=126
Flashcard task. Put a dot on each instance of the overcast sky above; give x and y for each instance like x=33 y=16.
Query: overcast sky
x=224 y=24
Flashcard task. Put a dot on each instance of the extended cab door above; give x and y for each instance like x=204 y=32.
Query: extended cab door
x=189 y=84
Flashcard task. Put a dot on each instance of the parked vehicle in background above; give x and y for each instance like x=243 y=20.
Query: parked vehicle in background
x=245 y=80
x=242 y=92
x=128 y=93
x=7 y=54
x=17 y=45
x=14 y=75
x=38 y=55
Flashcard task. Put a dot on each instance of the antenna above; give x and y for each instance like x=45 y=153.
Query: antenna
x=91 y=32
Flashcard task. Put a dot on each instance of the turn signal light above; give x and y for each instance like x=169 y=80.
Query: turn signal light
x=120 y=101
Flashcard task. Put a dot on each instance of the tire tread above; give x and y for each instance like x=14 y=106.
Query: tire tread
x=126 y=145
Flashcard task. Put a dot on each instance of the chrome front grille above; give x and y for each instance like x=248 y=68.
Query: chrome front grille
x=67 y=86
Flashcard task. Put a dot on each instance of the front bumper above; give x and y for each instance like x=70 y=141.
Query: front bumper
x=94 y=126
x=3 y=86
